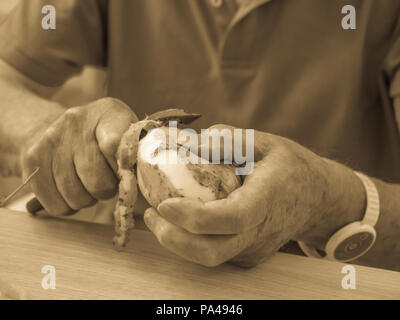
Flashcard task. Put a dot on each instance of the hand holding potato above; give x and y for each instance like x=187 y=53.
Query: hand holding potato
x=292 y=194
x=76 y=156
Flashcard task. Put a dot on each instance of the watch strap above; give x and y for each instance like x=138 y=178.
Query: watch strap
x=346 y=239
x=372 y=209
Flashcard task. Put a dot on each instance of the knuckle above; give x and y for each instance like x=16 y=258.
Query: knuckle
x=110 y=102
x=109 y=143
x=30 y=157
x=285 y=148
x=73 y=113
x=218 y=126
x=51 y=137
x=116 y=104
x=210 y=258
x=221 y=128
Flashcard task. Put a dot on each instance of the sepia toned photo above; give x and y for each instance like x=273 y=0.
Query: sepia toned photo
x=207 y=150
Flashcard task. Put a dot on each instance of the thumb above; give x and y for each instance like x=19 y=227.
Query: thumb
x=113 y=123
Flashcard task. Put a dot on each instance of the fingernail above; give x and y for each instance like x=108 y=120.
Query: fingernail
x=148 y=217
x=149 y=213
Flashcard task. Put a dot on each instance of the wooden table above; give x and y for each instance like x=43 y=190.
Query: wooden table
x=87 y=267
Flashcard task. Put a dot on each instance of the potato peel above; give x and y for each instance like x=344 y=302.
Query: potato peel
x=126 y=159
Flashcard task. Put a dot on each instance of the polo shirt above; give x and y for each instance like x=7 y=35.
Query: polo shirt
x=281 y=66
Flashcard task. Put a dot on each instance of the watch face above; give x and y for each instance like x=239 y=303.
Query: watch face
x=354 y=246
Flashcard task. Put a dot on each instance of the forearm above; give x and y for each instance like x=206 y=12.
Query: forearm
x=347 y=204
x=23 y=114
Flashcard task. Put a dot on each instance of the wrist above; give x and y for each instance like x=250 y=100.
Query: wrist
x=345 y=203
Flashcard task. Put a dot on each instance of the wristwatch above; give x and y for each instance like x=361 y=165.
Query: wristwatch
x=355 y=239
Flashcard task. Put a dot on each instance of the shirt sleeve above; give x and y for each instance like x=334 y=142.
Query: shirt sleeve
x=50 y=57
x=392 y=72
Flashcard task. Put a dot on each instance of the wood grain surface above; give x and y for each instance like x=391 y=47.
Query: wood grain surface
x=87 y=267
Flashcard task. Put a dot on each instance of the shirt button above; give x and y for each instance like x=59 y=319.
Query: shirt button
x=216 y=3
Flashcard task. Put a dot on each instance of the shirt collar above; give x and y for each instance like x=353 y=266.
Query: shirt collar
x=245 y=7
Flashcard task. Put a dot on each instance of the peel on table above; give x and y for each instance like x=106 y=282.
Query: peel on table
x=141 y=161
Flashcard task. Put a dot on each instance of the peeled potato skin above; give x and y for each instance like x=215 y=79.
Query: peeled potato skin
x=156 y=186
x=221 y=178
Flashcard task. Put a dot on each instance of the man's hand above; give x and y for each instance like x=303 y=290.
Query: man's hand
x=292 y=194
x=76 y=156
